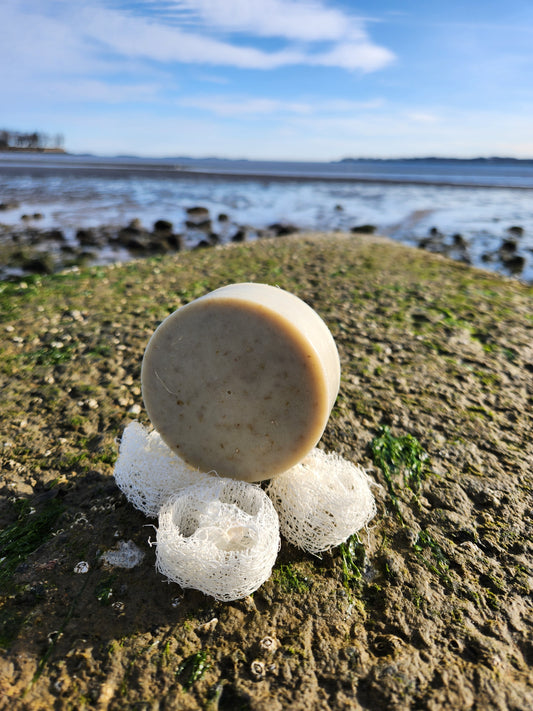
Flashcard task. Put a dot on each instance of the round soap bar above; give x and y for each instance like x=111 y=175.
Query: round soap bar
x=241 y=381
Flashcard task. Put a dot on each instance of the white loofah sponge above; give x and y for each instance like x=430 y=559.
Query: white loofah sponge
x=322 y=501
x=220 y=536
x=148 y=472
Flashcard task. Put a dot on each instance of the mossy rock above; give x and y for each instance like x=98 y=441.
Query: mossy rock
x=429 y=608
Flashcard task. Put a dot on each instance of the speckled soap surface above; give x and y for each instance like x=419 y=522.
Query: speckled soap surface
x=241 y=381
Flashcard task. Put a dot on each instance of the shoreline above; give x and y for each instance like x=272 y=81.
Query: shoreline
x=28 y=249
x=179 y=172
x=72 y=164
x=15 y=149
x=83 y=209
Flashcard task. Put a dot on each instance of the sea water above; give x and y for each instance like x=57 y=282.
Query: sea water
x=403 y=199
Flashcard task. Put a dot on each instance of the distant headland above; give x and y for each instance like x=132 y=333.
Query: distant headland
x=437 y=159
x=36 y=142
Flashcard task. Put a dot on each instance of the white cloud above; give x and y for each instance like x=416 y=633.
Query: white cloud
x=64 y=62
x=293 y=19
x=228 y=106
x=135 y=36
x=57 y=35
x=354 y=55
x=423 y=117
x=238 y=106
x=58 y=53
x=349 y=106
x=32 y=41
x=100 y=91
x=379 y=133
x=393 y=132
x=43 y=63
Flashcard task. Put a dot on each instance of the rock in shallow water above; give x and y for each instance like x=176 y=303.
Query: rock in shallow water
x=364 y=229
x=163 y=226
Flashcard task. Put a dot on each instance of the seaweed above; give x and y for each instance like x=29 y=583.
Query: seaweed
x=192 y=668
x=26 y=534
x=353 y=556
x=400 y=456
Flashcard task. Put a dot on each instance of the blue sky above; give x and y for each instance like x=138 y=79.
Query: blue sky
x=271 y=79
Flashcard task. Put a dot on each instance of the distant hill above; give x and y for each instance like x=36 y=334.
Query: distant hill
x=435 y=159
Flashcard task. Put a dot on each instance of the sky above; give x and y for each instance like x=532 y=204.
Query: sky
x=271 y=79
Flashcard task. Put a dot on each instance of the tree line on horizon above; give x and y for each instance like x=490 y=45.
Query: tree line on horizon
x=30 y=141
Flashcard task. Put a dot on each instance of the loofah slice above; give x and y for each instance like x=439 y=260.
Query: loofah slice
x=220 y=537
x=148 y=472
x=322 y=501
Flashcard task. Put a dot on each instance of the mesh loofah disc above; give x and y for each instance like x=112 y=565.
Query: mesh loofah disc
x=220 y=536
x=322 y=501
x=148 y=472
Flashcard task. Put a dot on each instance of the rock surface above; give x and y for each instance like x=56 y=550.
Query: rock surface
x=429 y=609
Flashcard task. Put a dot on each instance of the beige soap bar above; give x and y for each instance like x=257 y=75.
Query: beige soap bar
x=241 y=381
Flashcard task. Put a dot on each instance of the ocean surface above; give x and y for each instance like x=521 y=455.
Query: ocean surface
x=480 y=200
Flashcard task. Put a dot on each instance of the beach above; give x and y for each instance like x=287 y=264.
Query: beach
x=62 y=211
x=430 y=608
